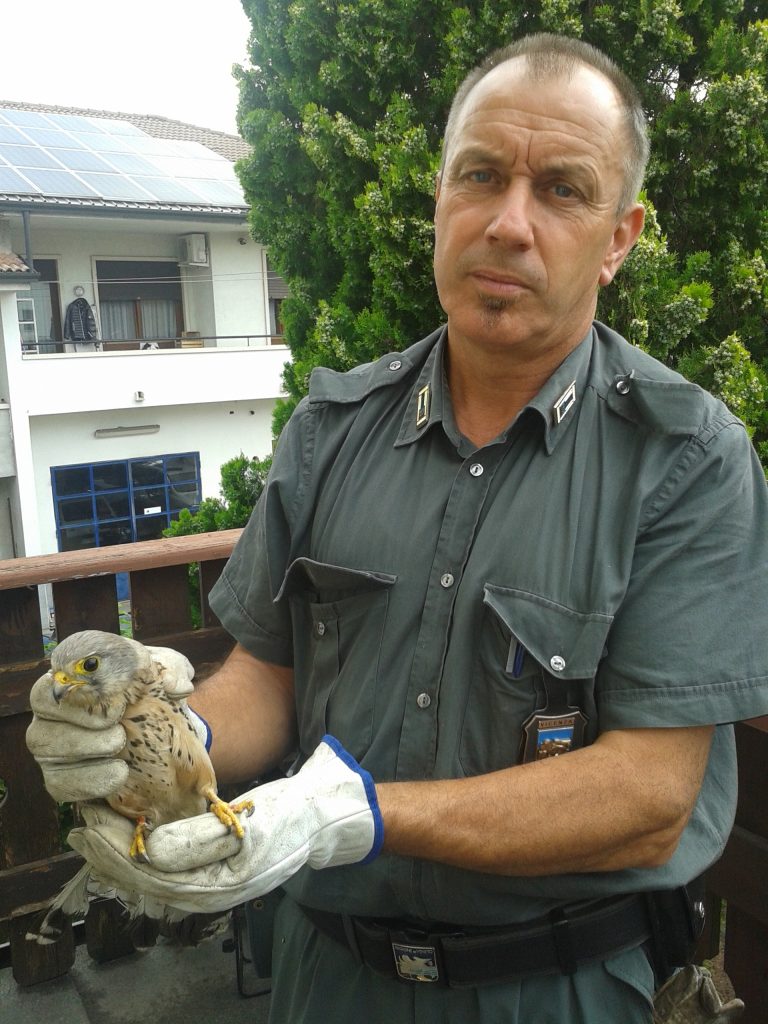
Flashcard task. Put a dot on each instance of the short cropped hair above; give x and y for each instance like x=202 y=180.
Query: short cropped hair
x=551 y=56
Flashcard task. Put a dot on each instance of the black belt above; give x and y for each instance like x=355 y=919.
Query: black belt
x=557 y=943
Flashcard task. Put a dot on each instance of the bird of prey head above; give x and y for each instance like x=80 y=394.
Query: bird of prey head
x=93 y=667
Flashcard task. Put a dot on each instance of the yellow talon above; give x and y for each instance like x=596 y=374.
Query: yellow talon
x=227 y=813
x=138 y=850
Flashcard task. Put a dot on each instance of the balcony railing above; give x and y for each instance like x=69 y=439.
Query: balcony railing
x=32 y=864
x=189 y=340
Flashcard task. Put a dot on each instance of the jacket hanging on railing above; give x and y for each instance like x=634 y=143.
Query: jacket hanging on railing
x=79 y=322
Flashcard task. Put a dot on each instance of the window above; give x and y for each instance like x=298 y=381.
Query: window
x=25 y=309
x=139 y=300
x=277 y=330
x=103 y=503
x=277 y=290
x=40 y=311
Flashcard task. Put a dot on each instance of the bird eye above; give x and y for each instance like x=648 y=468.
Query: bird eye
x=90 y=664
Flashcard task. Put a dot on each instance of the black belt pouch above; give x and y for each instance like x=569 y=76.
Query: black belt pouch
x=677 y=921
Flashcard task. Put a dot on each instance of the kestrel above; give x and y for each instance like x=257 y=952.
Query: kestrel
x=170 y=775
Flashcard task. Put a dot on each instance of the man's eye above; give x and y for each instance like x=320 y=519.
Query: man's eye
x=563 y=191
x=91 y=664
x=479 y=177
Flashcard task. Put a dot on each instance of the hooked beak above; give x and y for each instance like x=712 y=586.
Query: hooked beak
x=62 y=684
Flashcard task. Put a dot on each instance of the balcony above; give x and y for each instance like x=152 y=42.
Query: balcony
x=188 y=340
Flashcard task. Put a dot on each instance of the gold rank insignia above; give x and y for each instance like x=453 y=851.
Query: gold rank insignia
x=422 y=406
x=565 y=403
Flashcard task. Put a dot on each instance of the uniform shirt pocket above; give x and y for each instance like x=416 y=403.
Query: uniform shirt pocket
x=338 y=616
x=523 y=635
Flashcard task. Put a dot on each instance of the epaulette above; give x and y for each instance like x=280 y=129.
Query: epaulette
x=353 y=386
x=641 y=389
x=667 y=407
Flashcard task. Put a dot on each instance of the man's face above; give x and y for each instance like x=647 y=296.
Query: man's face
x=526 y=223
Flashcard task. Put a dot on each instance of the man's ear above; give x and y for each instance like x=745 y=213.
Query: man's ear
x=438 y=183
x=625 y=235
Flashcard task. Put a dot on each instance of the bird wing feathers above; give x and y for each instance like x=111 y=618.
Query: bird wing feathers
x=168 y=767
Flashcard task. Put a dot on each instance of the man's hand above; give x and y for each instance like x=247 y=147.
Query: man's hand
x=324 y=816
x=76 y=751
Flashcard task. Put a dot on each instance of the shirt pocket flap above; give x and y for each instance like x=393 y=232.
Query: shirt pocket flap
x=330 y=582
x=561 y=640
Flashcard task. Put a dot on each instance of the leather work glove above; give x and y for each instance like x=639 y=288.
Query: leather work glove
x=324 y=816
x=77 y=752
x=690 y=997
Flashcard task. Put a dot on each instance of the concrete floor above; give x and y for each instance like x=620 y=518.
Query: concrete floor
x=166 y=983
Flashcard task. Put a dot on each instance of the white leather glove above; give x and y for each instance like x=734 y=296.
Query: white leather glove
x=77 y=751
x=324 y=816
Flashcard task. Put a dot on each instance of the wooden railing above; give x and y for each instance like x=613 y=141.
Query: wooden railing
x=33 y=865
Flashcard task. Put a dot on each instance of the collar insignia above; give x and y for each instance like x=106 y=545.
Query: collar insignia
x=422 y=406
x=565 y=403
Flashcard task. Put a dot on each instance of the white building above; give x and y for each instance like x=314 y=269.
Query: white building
x=140 y=344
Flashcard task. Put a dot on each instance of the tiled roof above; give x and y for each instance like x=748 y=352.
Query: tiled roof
x=231 y=147
x=10 y=263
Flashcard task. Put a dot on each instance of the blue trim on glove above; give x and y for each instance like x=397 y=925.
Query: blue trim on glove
x=208 y=732
x=370 y=792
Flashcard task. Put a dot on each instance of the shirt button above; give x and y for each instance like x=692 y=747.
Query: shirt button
x=446 y=580
x=423 y=700
x=557 y=663
x=476 y=469
x=395 y=364
x=320 y=628
x=623 y=386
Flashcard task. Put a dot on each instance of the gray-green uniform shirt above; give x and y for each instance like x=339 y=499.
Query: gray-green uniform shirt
x=614 y=535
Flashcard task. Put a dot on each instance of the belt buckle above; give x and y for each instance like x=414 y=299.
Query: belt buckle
x=414 y=959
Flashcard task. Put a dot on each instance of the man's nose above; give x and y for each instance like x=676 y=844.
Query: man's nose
x=512 y=223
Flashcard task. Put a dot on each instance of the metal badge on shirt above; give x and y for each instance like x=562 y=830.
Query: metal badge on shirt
x=554 y=729
x=565 y=403
x=422 y=405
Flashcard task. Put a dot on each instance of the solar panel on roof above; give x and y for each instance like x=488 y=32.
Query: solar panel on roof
x=131 y=163
x=10 y=181
x=27 y=156
x=81 y=160
x=114 y=186
x=59 y=183
x=13 y=135
x=169 y=190
x=70 y=155
x=77 y=123
x=115 y=127
x=51 y=138
x=150 y=146
x=105 y=143
x=27 y=117
x=214 y=191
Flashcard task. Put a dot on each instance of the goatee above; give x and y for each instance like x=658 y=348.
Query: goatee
x=492 y=310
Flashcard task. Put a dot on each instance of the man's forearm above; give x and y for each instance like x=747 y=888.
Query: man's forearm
x=623 y=802
x=249 y=705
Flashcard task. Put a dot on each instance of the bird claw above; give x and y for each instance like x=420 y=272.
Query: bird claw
x=227 y=813
x=138 y=850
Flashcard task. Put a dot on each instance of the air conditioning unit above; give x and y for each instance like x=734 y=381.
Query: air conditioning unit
x=194 y=250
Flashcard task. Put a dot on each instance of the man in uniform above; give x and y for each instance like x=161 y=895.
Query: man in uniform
x=513 y=575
